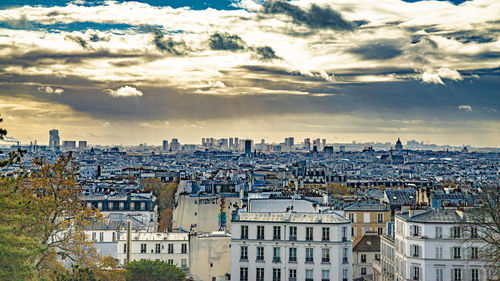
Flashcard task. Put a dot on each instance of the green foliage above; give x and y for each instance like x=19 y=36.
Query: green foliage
x=145 y=270
x=17 y=248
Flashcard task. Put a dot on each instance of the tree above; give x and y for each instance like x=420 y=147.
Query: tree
x=145 y=270
x=483 y=224
x=337 y=188
x=165 y=195
x=59 y=217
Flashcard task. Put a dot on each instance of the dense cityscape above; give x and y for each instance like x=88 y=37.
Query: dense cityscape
x=243 y=210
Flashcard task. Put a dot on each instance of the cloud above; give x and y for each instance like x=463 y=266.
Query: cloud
x=125 y=91
x=314 y=17
x=377 y=50
x=265 y=53
x=167 y=45
x=226 y=41
x=466 y=108
x=50 y=90
x=79 y=40
x=435 y=76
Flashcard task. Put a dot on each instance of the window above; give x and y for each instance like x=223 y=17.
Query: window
x=344 y=273
x=439 y=253
x=276 y=274
x=114 y=236
x=456 y=274
x=170 y=261
x=260 y=274
x=344 y=233
x=474 y=274
x=439 y=232
x=101 y=236
x=363 y=271
x=276 y=254
x=276 y=232
x=293 y=254
x=456 y=232
x=260 y=232
x=125 y=248
x=439 y=274
x=143 y=205
x=293 y=233
x=244 y=232
x=309 y=234
x=415 y=231
x=143 y=248
x=457 y=253
x=243 y=273
x=292 y=275
x=351 y=217
x=309 y=275
x=415 y=251
x=344 y=255
x=132 y=205
x=244 y=253
x=184 y=248
x=380 y=218
x=326 y=234
x=473 y=232
x=325 y=275
x=380 y=230
x=474 y=253
x=325 y=255
x=157 y=248
x=353 y=231
x=94 y=235
x=170 y=248
x=309 y=255
x=363 y=258
x=260 y=254
x=183 y=263
x=415 y=273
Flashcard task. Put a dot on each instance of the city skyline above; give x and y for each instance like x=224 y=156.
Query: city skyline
x=345 y=70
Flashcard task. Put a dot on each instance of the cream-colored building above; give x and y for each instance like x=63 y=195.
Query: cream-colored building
x=365 y=217
x=210 y=256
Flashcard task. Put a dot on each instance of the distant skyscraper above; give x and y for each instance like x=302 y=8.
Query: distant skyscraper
x=54 y=141
x=262 y=141
x=248 y=147
x=231 y=143
x=175 y=145
x=323 y=142
x=165 y=145
x=69 y=145
x=82 y=145
x=236 y=143
x=289 y=141
x=203 y=142
x=307 y=144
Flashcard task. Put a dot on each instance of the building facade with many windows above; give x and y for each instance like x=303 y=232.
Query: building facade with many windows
x=290 y=246
x=436 y=245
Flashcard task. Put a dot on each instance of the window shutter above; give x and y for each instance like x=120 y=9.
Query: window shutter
x=451 y=254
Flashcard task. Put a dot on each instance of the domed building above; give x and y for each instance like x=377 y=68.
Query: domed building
x=399 y=146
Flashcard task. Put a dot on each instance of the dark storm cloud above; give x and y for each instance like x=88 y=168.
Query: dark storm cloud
x=79 y=40
x=166 y=45
x=377 y=50
x=48 y=57
x=314 y=17
x=226 y=41
x=470 y=36
x=265 y=53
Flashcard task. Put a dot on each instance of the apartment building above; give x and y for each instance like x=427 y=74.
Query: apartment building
x=436 y=245
x=290 y=246
x=170 y=247
x=364 y=253
x=366 y=217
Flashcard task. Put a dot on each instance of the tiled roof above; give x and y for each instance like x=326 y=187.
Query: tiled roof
x=366 y=206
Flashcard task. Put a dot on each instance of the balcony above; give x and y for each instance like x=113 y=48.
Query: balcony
x=259 y=259
x=293 y=238
x=243 y=259
x=309 y=260
x=325 y=260
x=309 y=279
x=344 y=239
x=323 y=279
x=292 y=259
x=276 y=260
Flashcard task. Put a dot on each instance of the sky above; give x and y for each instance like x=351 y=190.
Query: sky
x=129 y=72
